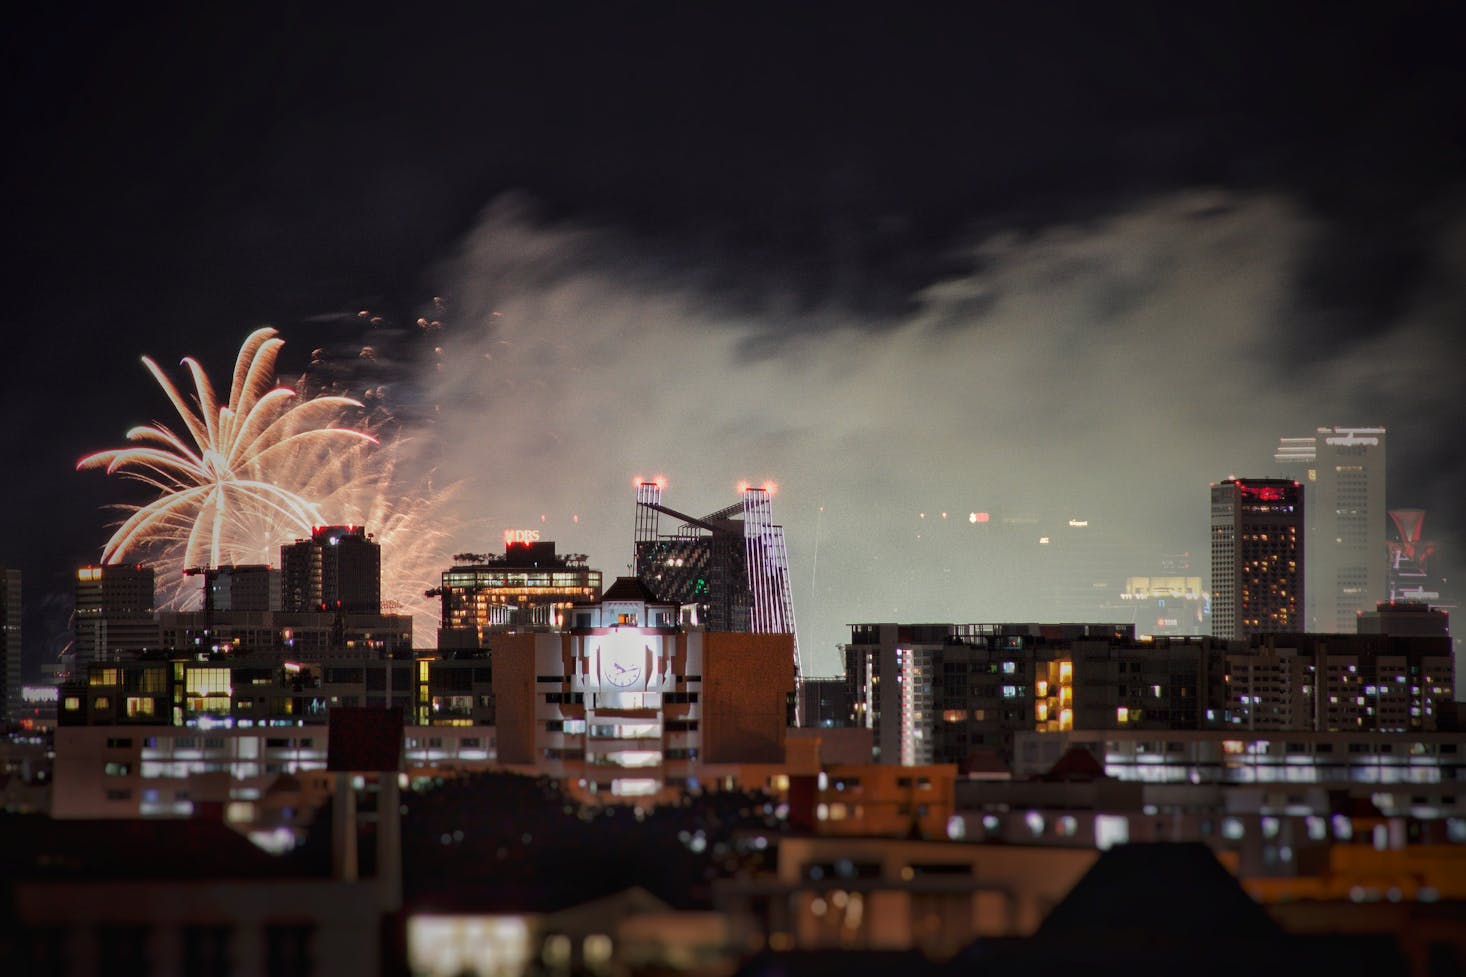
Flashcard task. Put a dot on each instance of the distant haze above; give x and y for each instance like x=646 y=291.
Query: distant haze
x=1103 y=371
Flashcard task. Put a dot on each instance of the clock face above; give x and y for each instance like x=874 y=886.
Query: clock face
x=622 y=675
x=623 y=661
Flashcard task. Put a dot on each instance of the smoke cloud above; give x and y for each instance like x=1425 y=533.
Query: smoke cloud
x=1102 y=372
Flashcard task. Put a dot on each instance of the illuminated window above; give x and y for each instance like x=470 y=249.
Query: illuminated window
x=207 y=681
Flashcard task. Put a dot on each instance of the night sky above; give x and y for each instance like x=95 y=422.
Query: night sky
x=1073 y=261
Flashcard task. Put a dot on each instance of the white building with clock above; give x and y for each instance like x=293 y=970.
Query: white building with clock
x=629 y=704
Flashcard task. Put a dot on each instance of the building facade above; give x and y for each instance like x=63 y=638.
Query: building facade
x=302 y=635
x=942 y=693
x=114 y=612
x=11 y=674
x=1257 y=557
x=1345 y=526
x=730 y=567
x=629 y=705
x=1169 y=604
x=224 y=691
x=338 y=569
x=950 y=693
x=246 y=587
x=1342 y=682
x=825 y=703
x=528 y=587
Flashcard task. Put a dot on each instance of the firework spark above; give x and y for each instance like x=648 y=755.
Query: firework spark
x=241 y=481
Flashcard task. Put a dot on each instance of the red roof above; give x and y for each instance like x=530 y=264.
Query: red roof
x=1077 y=763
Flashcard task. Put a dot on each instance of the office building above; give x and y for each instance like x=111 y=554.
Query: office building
x=1169 y=604
x=1079 y=564
x=1257 y=557
x=529 y=586
x=11 y=674
x=1414 y=569
x=1344 y=480
x=246 y=587
x=338 y=569
x=114 y=612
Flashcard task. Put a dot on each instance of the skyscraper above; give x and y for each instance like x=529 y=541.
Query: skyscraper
x=244 y=587
x=338 y=568
x=1257 y=550
x=10 y=662
x=114 y=612
x=731 y=565
x=1345 y=529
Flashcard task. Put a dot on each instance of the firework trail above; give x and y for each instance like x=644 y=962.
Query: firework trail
x=261 y=469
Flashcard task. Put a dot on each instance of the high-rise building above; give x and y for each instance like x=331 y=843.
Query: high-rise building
x=1257 y=556
x=338 y=569
x=114 y=612
x=1345 y=528
x=1169 y=604
x=1414 y=569
x=731 y=566
x=11 y=675
x=246 y=587
x=528 y=587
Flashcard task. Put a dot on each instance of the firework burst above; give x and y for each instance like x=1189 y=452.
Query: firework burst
x=246 y=475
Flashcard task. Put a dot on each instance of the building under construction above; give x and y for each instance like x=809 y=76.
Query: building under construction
x=731 y=567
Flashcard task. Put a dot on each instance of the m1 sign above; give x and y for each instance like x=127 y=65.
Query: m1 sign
x=521 y=536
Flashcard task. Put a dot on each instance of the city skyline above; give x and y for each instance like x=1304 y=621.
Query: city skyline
x=973 y=280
